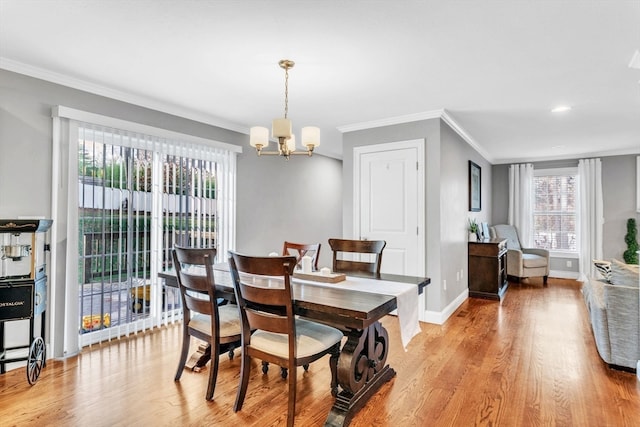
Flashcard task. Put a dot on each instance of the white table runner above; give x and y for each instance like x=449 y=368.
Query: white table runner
x=406 y=296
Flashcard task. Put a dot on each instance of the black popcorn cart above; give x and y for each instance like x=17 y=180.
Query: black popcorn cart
x=23 y=289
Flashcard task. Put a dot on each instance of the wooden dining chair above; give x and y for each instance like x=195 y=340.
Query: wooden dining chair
x=266 y=306
x=372 y=247
x=301 y=249
x=202 y=317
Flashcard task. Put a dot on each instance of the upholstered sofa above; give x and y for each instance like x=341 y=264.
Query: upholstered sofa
x=614 y=312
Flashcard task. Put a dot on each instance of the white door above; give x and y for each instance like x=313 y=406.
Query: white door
x=389 y=203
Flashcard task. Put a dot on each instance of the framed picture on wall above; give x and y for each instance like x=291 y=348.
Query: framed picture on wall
x=475 y=196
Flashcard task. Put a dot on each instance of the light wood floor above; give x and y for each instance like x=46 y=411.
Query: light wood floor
x=529 y=361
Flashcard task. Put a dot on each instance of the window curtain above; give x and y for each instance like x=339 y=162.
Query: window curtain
x=68 y=126
x=520 y=201
x=591 y=218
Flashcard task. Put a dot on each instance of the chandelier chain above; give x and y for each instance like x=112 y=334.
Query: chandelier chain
x=286 y=92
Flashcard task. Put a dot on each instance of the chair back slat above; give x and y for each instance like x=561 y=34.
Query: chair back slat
x=372 y=247
x=197 y=303
x=267 y=322
x=195 y=282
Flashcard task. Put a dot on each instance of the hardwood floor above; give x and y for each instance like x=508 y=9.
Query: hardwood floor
x=528 y=361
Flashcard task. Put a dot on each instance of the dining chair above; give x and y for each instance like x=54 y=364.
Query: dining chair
x=344 y=246
x=202 y=317
x=299 y=250
x=263 y=293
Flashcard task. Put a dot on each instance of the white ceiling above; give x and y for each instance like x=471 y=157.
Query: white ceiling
x=496 y=67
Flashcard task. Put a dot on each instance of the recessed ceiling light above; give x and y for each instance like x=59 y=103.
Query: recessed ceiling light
x=561 y=109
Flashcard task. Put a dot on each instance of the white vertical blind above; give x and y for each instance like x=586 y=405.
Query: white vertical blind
x=131 y=192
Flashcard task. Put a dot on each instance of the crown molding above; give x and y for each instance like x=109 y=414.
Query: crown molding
x=426 y=115
x=571 y=156
x=466 y=136
x=83 y=85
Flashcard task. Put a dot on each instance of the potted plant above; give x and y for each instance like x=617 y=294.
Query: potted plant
x=473 y=230
x=631 y=254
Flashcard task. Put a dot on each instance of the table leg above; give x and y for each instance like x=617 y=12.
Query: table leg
x=361 y=372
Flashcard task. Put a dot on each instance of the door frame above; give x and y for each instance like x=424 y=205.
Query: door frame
x=419 y=145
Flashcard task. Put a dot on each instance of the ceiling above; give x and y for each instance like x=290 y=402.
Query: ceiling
x=492 y=69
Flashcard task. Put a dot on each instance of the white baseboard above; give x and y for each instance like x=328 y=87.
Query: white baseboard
x=564 y=274
x=439 y=317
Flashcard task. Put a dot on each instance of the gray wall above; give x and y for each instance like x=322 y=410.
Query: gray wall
x=619 y=194
x=454 y=209
x=299 y=200
x=446 y=199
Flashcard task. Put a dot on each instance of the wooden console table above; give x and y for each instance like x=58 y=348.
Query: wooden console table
x=487 y=268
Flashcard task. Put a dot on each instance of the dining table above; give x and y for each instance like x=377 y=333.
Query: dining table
x=355 y=306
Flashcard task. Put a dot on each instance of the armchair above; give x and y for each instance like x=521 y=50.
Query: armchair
x=522 y=262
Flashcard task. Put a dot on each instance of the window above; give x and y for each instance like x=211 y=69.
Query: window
x=555 y=209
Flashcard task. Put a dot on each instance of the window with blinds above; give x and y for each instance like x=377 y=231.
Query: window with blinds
x=555 y=209
x=138 y=196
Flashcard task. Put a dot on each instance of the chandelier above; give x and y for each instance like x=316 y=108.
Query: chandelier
x=281 y=128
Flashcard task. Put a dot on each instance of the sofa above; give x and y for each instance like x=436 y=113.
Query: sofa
x=613 y=304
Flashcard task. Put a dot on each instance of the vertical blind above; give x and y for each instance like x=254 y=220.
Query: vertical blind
x=131 y=196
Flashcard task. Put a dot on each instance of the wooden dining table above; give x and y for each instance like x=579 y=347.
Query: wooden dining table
x=362 y=367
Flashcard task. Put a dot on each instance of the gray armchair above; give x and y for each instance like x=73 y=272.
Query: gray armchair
x=522 y=262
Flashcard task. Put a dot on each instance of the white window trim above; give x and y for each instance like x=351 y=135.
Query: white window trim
x=98 y=119
x=564 y=254
x=556 y=171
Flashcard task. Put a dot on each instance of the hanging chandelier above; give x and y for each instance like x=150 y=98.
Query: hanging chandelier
x=281 y=129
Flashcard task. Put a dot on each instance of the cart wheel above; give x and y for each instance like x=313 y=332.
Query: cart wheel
x=36 y=360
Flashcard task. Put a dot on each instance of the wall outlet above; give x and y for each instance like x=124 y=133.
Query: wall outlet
x=569 y=263
x=444 y=285
x=457 y=276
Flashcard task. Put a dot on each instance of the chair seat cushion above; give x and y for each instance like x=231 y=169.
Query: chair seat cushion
x=229 y=321
x=533 y=261
x=311 y=338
